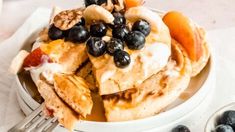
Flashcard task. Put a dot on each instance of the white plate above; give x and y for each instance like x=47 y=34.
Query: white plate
x=199 y=88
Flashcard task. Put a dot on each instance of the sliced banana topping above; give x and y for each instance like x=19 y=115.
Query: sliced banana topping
x=97 y=13
x=140 y=12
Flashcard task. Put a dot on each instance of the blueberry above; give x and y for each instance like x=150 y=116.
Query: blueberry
x=113 y=45
x=228 y=118
x=223 y=128
x=119 y=19
x=115 y=2
x=81 y=22
x=135 y=40
x=78 y=34
x=66 y=33
x=95 y=46
x=120 y=32
x=180 y=128
x=55 y=33
x=142 y=26
x=97 y=2
x=121 y=58
x=100 y=2
x=90 y=2
x=98 y=29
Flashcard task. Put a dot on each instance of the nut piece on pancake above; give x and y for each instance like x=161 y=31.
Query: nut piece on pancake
x=68 y=18
x=75 y=92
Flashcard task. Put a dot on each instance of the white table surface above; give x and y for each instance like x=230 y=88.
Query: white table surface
x=217 y=16
x=211 y=14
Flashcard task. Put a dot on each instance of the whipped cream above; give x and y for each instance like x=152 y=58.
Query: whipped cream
x=153 y=58
x=47 y=70
x=156 y=55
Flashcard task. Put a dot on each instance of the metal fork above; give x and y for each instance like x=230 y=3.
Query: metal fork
x=36 y=122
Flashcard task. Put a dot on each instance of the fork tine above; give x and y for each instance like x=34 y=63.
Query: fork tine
x=27 y=120
x=36 y=121
x=34 y=124
x=45 y=124
x=54 y=124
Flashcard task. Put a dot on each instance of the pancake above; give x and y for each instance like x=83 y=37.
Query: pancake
x=56 y=106
x=75 y=92
x=197 y=66
x=154 y=94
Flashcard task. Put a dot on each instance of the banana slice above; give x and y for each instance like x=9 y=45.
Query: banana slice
x=95 y=12
x=140 y=12
x=17 y=62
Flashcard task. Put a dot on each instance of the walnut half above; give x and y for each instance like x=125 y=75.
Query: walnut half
x=68 y=18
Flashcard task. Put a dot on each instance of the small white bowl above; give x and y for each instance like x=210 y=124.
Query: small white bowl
x=212 y=121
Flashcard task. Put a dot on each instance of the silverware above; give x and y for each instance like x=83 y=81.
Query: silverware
x=36 y=122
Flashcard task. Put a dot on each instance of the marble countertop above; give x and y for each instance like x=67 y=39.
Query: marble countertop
x=211 y=14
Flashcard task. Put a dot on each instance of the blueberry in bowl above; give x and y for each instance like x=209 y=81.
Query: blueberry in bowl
x=180 y=128
x=222 y=120
x=228 y=118
x=223 y=128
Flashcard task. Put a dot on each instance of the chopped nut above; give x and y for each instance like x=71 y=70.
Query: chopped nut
x=106 y=38
x=119 y=6
x=68 y=18
x=108 y=6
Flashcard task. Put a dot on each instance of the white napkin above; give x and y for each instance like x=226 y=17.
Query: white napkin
x=10 y=112
x=223 y=41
